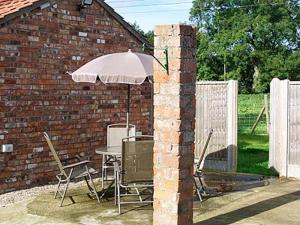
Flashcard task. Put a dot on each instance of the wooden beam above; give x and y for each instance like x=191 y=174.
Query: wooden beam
x=258 y=119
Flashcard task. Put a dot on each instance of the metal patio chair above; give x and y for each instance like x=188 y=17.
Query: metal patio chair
x=115 y=134
x=72 y=172
x=135 y=175
x=198 y=174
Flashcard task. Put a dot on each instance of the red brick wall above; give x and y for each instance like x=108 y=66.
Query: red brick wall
x=37 y=95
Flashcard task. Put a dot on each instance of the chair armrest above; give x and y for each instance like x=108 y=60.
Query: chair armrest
x=77 y=164
x=76 y=158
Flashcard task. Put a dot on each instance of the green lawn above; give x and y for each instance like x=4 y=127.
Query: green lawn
x=253 y=154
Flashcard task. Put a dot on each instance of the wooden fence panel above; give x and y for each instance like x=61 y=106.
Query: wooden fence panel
x=216 y=109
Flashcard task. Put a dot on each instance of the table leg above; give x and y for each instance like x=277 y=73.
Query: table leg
x=102 y=171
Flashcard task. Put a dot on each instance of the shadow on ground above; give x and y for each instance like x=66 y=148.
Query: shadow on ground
x=252 y=210
x=249 y=199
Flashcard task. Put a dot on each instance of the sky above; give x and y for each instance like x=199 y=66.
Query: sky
x=161 y=11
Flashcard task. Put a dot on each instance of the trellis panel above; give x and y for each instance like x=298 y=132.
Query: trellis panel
x=216 y=109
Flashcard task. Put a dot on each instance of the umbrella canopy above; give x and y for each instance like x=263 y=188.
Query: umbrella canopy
x=118 y=68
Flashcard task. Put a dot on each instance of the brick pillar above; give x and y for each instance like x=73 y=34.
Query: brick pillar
x=174 y=122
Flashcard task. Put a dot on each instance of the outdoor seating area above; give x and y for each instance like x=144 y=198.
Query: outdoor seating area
x=128 y=162
x=127 y=159
x=104 y=123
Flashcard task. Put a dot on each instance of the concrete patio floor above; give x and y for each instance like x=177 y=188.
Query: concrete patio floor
x=276 y=203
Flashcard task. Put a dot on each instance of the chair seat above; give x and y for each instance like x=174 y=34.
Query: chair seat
x=80 y=172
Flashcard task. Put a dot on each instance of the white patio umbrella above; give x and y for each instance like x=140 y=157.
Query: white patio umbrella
x=118 y=68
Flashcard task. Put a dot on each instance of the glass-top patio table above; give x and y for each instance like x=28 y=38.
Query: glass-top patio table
x=110 y=151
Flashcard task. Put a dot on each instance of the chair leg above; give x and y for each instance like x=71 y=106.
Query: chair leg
x=93 y=185
x=202 y=189
x=138 y=193
x=119 y=198
x=105 y=173
x=118 y=192
x=102 y=171
x=64 y=193
x=88 y=185
x=57 y=190
x=115 y=174
x=198 y=190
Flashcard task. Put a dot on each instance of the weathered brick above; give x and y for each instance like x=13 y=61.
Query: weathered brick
x=174 y=122
x=31 y=38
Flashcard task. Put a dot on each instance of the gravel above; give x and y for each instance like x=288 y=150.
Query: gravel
x=21 y=195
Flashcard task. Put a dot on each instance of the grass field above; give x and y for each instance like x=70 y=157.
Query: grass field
x=253 y=153
x=249 y=108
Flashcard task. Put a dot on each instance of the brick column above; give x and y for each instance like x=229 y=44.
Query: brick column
x=174 y=122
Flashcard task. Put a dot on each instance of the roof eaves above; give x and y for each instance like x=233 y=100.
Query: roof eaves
x=22 y=11
x=108 y=8
x=121 y=20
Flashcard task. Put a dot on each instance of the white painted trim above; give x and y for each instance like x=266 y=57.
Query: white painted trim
x=294 y=82
x=207 y=82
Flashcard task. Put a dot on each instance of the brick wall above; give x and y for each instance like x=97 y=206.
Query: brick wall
x=37 y=95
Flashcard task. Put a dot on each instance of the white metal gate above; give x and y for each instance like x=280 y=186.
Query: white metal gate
x=216 y=108
x=285 y=127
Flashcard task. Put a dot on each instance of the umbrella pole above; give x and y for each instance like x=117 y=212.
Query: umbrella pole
x=128 y=108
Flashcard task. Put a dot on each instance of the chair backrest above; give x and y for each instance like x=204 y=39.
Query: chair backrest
x=137 y=159
x=117 y=132
x=201 y=158
x=61 y=168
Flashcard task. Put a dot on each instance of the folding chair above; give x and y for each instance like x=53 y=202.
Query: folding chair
x=198 y=174
x=72 y=172
x=115 y=134
x=136 y=172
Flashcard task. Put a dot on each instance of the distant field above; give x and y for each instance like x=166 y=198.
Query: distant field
x=249 y=107
x=253 y=153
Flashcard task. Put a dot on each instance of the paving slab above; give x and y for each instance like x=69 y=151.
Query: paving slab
x=276 y=203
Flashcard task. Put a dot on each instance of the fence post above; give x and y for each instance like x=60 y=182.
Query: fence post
x=232 y=123
x=274 y=89
x=284 y=121
x=278 y=150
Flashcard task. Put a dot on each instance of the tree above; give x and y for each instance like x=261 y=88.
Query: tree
x=249 y=40
x=148 y=35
